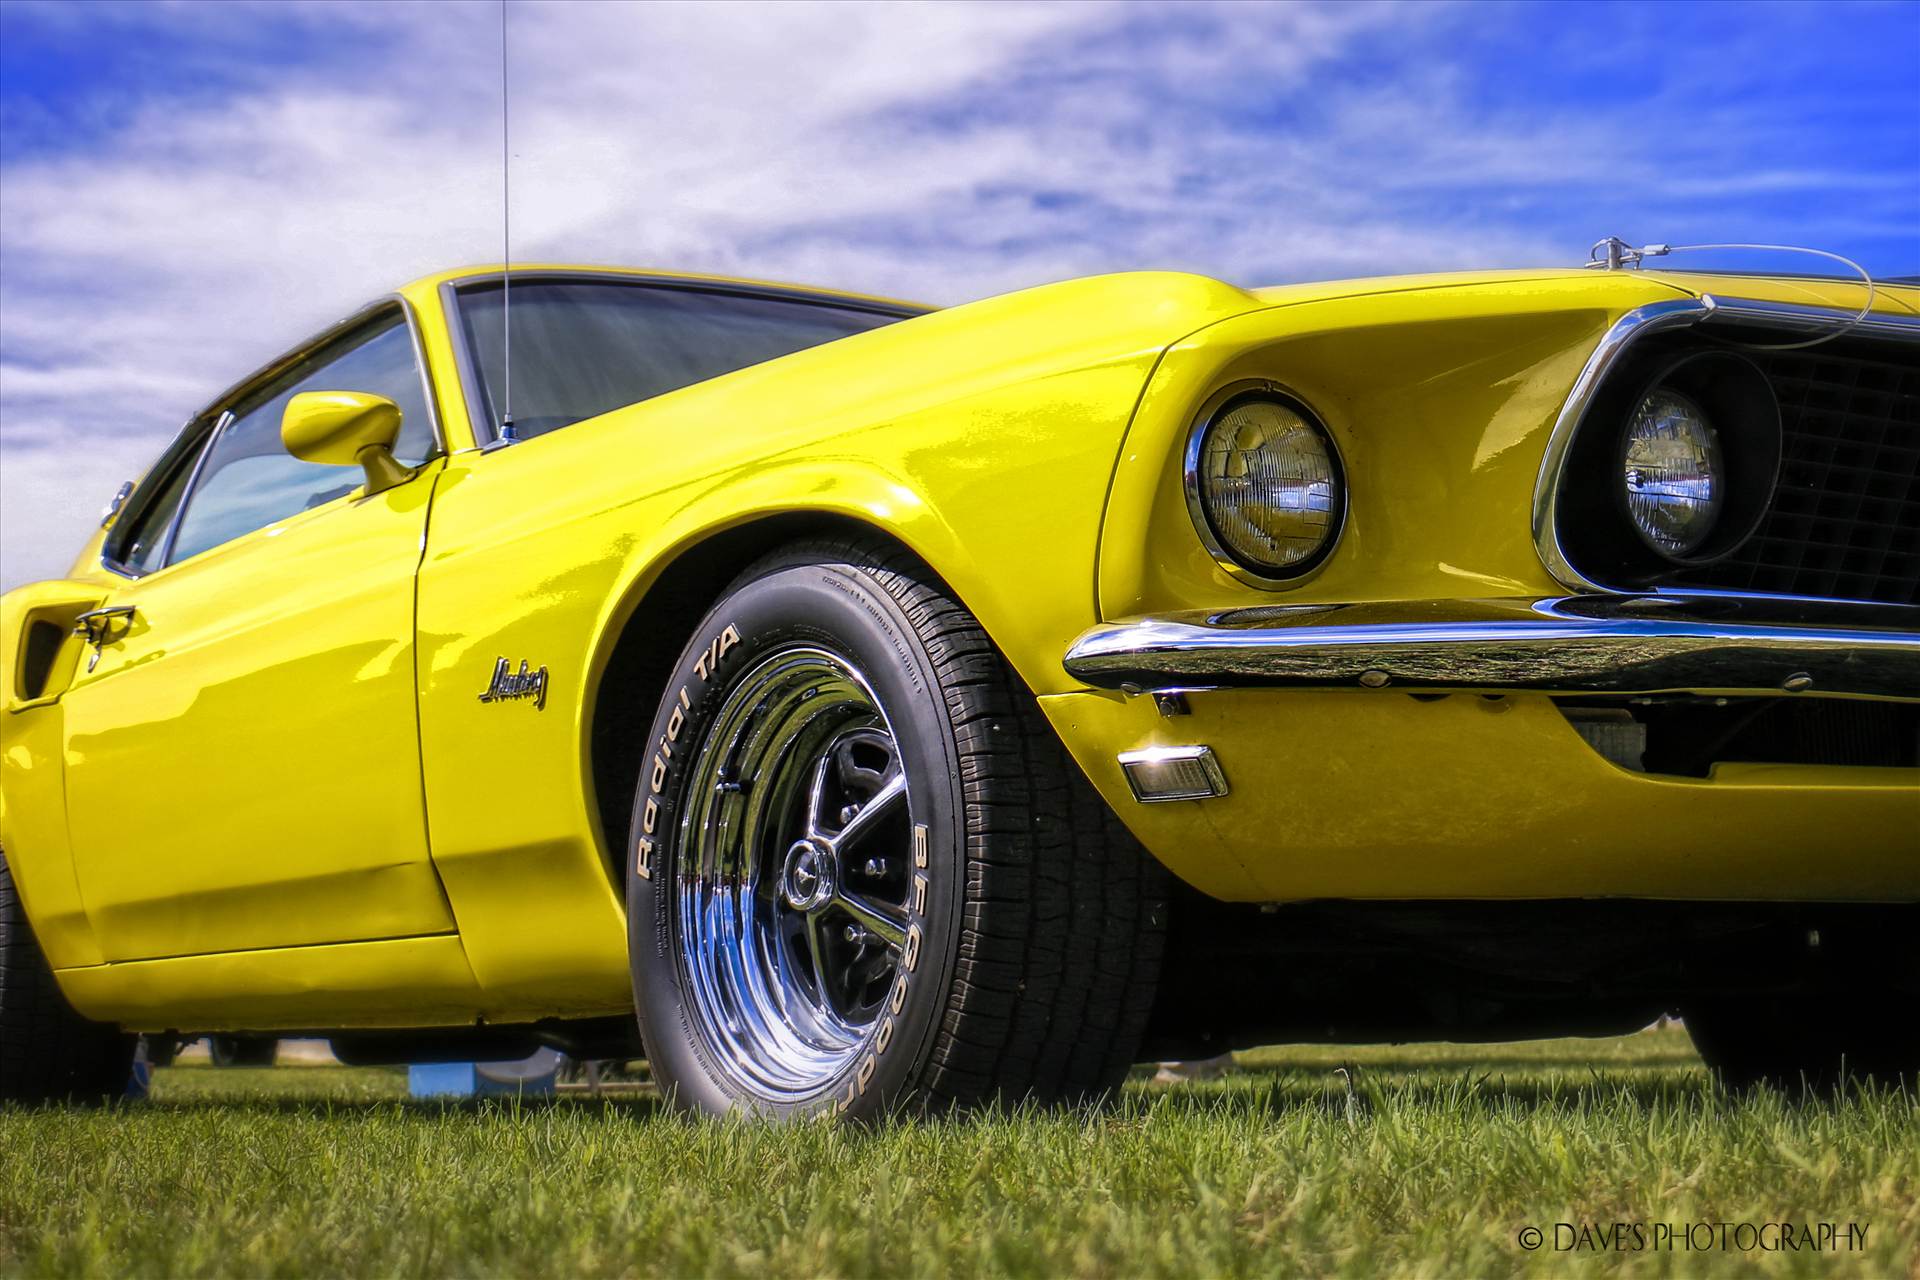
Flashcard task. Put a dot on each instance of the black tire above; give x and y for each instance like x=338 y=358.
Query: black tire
x=243 y=1051
x=1818 y=1043
x=1008 y=944
x=49 y=1053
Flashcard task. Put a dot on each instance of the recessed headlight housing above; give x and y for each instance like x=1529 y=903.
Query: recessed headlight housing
x=1674 y=466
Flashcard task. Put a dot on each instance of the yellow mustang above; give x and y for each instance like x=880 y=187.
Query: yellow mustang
x=911 y=707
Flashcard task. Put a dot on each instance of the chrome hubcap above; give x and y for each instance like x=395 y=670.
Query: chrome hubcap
x=808 y=883
x=793 y=877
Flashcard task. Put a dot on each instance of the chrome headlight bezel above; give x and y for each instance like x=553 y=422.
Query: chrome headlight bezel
x=1244 y=568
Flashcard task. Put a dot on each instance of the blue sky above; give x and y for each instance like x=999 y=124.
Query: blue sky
x=187 y=188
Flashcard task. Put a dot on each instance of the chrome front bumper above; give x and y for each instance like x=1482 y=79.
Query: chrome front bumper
x=1566 y=644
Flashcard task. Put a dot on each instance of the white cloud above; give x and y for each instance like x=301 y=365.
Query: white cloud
x=940 y=151
x=64 y=490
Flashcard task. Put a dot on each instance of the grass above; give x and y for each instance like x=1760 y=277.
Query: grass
x=1430 y=1163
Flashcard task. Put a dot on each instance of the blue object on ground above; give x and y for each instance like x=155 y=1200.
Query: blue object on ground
x=139 y=1079
x=528 y=1077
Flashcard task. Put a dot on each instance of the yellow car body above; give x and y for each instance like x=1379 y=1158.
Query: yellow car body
x=272 y=799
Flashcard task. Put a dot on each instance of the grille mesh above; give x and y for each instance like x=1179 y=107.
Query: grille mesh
x=1845 y=521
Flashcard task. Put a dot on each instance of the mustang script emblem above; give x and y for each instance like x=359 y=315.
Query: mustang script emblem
x=508 y=683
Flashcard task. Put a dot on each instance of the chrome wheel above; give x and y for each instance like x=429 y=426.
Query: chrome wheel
x=864 y=877
x=794 y=872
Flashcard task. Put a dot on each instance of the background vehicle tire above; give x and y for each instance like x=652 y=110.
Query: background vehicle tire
x=863 y=873
x=161 y=1050
x=243 y=1051
x=1816 y=1042
x=48 y=1053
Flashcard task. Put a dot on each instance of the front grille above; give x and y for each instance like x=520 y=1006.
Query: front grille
x=1845 y=520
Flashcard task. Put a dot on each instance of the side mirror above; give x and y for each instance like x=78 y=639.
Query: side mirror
x=345 y=428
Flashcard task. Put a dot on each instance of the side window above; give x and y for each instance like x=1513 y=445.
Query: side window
x=582 y=348
x=250 y=481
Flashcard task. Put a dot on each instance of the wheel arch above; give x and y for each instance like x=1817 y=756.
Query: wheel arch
x=1001 y=496
x=650 y=623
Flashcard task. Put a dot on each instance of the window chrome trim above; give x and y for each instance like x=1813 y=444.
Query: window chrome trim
x=220 y=406
x=1224 y=559
x=358 y=319
x=465 y=367
x=1706 y=310
x=435 y=419
x=486 y=435
x=214 y=433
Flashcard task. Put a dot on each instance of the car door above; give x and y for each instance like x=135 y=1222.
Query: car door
x=527 y=543
x=242 y=757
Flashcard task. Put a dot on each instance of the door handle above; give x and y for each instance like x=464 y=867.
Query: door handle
x=96 y=627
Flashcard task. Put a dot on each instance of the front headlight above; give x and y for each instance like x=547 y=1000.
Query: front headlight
x=1672 y=473
x=1269 y=486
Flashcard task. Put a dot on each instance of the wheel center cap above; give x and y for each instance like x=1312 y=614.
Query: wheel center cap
x=807 y=880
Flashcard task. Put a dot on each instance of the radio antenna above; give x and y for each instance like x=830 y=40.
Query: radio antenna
x=506 y=245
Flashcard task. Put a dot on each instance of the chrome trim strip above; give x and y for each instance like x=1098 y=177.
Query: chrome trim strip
x=1568 y=644
x=1706 y=310
x=431 y=396
x=218 y=429
x=1802 y=318
x=700 y=284
x=479 y=426
x=1628 y=329
x=1727 y=593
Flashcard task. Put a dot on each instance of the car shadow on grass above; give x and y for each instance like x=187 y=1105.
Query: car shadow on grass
x=1361 y=1091
x=1528 y=1064
x=635 y=1106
